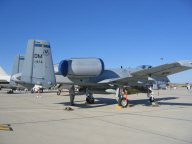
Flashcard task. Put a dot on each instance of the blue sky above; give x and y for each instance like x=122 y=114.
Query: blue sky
x=121 y=32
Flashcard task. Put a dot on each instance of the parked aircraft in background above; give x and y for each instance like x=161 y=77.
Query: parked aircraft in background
x=5 y=79
x=89 y=73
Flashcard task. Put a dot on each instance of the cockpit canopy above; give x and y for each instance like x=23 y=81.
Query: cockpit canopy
x=144 y=67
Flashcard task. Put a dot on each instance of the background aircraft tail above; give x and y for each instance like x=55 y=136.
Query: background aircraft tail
x=37 y=67
x=17 y=68
x=18 y=64
x=2 y=72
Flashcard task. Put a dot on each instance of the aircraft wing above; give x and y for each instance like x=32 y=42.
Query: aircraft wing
x=166 y=69
x=160 y=71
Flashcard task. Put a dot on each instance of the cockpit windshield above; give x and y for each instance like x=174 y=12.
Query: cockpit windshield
x=144 y=67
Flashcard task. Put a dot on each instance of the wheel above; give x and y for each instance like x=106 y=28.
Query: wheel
x=10 y=92
x=90 y=100
x=59 y=92
x=41 y=90
x=151 y=99
x=123 y=102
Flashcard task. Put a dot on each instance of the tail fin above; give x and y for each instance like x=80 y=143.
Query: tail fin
x=2 y=72
x=18 y=64
x=37 y=67
x=16 y=69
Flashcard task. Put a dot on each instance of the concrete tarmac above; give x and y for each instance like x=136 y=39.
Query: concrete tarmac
x=44 y=120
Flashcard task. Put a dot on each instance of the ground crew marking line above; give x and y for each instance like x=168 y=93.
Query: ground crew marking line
x=118 y=107
x=5 y=127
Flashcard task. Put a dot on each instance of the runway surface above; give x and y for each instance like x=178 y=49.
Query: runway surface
x=26 y=119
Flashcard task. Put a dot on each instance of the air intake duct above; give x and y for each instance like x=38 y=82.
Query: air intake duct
x=81 y=67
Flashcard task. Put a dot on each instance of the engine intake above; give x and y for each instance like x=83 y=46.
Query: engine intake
x=81 y=67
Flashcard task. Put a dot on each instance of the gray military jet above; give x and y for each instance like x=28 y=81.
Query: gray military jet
x=89 y=74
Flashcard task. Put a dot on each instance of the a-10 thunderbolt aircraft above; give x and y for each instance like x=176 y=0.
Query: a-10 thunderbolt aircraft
x=89 y=73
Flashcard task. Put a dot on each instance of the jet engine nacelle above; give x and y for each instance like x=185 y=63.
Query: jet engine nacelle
x=81 y=67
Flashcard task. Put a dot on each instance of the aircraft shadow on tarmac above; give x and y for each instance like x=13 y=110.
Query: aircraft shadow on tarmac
x=101 y=102
x=174 y=103
x=161 y=101
x=146 y=102
x=15 y=93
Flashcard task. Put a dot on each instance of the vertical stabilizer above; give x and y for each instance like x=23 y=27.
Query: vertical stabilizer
x=17 y=68
x=38 y=65
x=18 y=64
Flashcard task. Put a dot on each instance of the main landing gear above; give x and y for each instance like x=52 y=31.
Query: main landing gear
x=89 y=96
x=10 y=92
x=89 y=99
x=72 y=95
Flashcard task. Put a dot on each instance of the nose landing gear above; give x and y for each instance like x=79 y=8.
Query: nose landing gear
x=122 y=97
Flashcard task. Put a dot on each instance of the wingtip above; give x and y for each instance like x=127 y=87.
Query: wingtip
x=187 y=63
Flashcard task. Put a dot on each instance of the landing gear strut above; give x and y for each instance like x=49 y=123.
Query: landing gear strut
x=150 y=95
x=72 y=95
x=10 y=92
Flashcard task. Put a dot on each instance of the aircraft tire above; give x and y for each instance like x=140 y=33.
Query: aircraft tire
x=59 y=92
x=10 y=92
x=90 y=100
x=41 y=91
x=123 y=102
